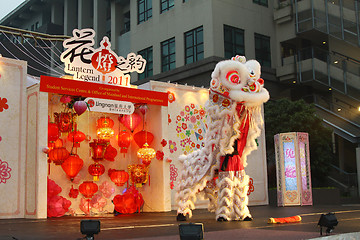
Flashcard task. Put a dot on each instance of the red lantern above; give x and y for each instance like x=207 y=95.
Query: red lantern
x=110 y=153
x=124 y=140
x=104 y=128
x=104 y=122
x=58 y=155
x=72 y=166
x=88 y=189
x=146 y=154
x=139 y=174
x=96 y=170
x=143 y=137
x=76 y=137
x=98 y=147
x=130 y=121
x=57 y=144
x=64 y=121
x=119 y=177
x=53 y=132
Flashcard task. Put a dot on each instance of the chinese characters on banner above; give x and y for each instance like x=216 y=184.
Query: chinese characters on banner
x=100 y=65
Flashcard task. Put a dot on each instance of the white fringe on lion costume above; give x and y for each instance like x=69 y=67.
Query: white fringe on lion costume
x=234 y=120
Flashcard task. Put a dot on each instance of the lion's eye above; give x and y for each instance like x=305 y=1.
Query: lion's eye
x=233 y=76
x=252 y=73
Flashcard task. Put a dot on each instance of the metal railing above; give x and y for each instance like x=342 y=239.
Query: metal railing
x=331 y=69
x=347 y=182
x=338 y=18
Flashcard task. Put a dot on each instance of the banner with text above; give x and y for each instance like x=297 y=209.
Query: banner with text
x=88 y=89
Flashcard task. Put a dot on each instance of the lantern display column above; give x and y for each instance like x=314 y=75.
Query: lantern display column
x=293 y=169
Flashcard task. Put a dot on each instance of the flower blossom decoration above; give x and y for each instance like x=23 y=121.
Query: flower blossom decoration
x=4 y=171
x=172 y=146
x=3 y=104
x=171 y=96
x=163 y=142
x=65 y=99
x=159 y=155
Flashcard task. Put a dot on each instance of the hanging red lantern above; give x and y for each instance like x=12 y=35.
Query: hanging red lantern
x=58 y=155
x=98 y=147
x=57 y=144
x=105 y=122
x=88 y=189
x=53 y=132
x=124 y=140
x=146 y=154
x=119 y=177
x=104 y=128
x=130 y=121
x=76 y=137
x=64 y=121
x=143 y=137
x=72 y=166
x=139 y=174
x=110 y=153
x=96 y=170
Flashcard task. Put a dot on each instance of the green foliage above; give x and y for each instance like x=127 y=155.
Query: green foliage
x=283 y=116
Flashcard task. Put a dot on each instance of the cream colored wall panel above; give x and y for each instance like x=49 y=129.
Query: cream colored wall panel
x=13 y=134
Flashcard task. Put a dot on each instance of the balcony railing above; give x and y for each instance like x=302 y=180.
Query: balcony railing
x=338 y=18
x=334 y=70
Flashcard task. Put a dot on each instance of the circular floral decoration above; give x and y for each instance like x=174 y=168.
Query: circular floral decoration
x=172 y=146
x=4 y=171
x=171 y=96
x=3 y=104
x=159 y=155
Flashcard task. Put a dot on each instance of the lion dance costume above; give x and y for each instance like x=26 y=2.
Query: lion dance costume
x=234 y=122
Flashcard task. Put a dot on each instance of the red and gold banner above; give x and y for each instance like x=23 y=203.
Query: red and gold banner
x=96 y=90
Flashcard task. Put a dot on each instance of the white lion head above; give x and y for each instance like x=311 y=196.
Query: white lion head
x=239 y=80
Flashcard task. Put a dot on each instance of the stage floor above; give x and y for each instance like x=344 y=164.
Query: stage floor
x=164 y=225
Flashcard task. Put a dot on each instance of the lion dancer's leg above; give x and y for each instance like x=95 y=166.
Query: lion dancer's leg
x=233 y=199
x=241 y=198
x=190 y=184
x=224 y=209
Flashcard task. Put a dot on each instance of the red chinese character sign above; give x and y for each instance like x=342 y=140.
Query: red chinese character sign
x=100 y=65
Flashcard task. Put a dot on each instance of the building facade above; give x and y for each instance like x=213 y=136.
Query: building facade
x=307 y=48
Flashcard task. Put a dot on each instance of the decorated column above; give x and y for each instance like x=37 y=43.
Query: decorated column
x=293 y=169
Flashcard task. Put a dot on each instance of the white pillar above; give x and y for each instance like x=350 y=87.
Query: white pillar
x=99 y=21
x=70 y=16
x=85 y=14
x=117 y=23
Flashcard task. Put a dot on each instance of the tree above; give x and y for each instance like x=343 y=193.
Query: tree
x=298 y=116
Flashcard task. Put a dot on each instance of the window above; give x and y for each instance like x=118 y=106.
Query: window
x=233 y=42
x=261 y=2
x=194 y=45
x=262 y=50
x=126 y=23
x=168 y=55
x=144 y=10
x=166 y=5
x=147 y=54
